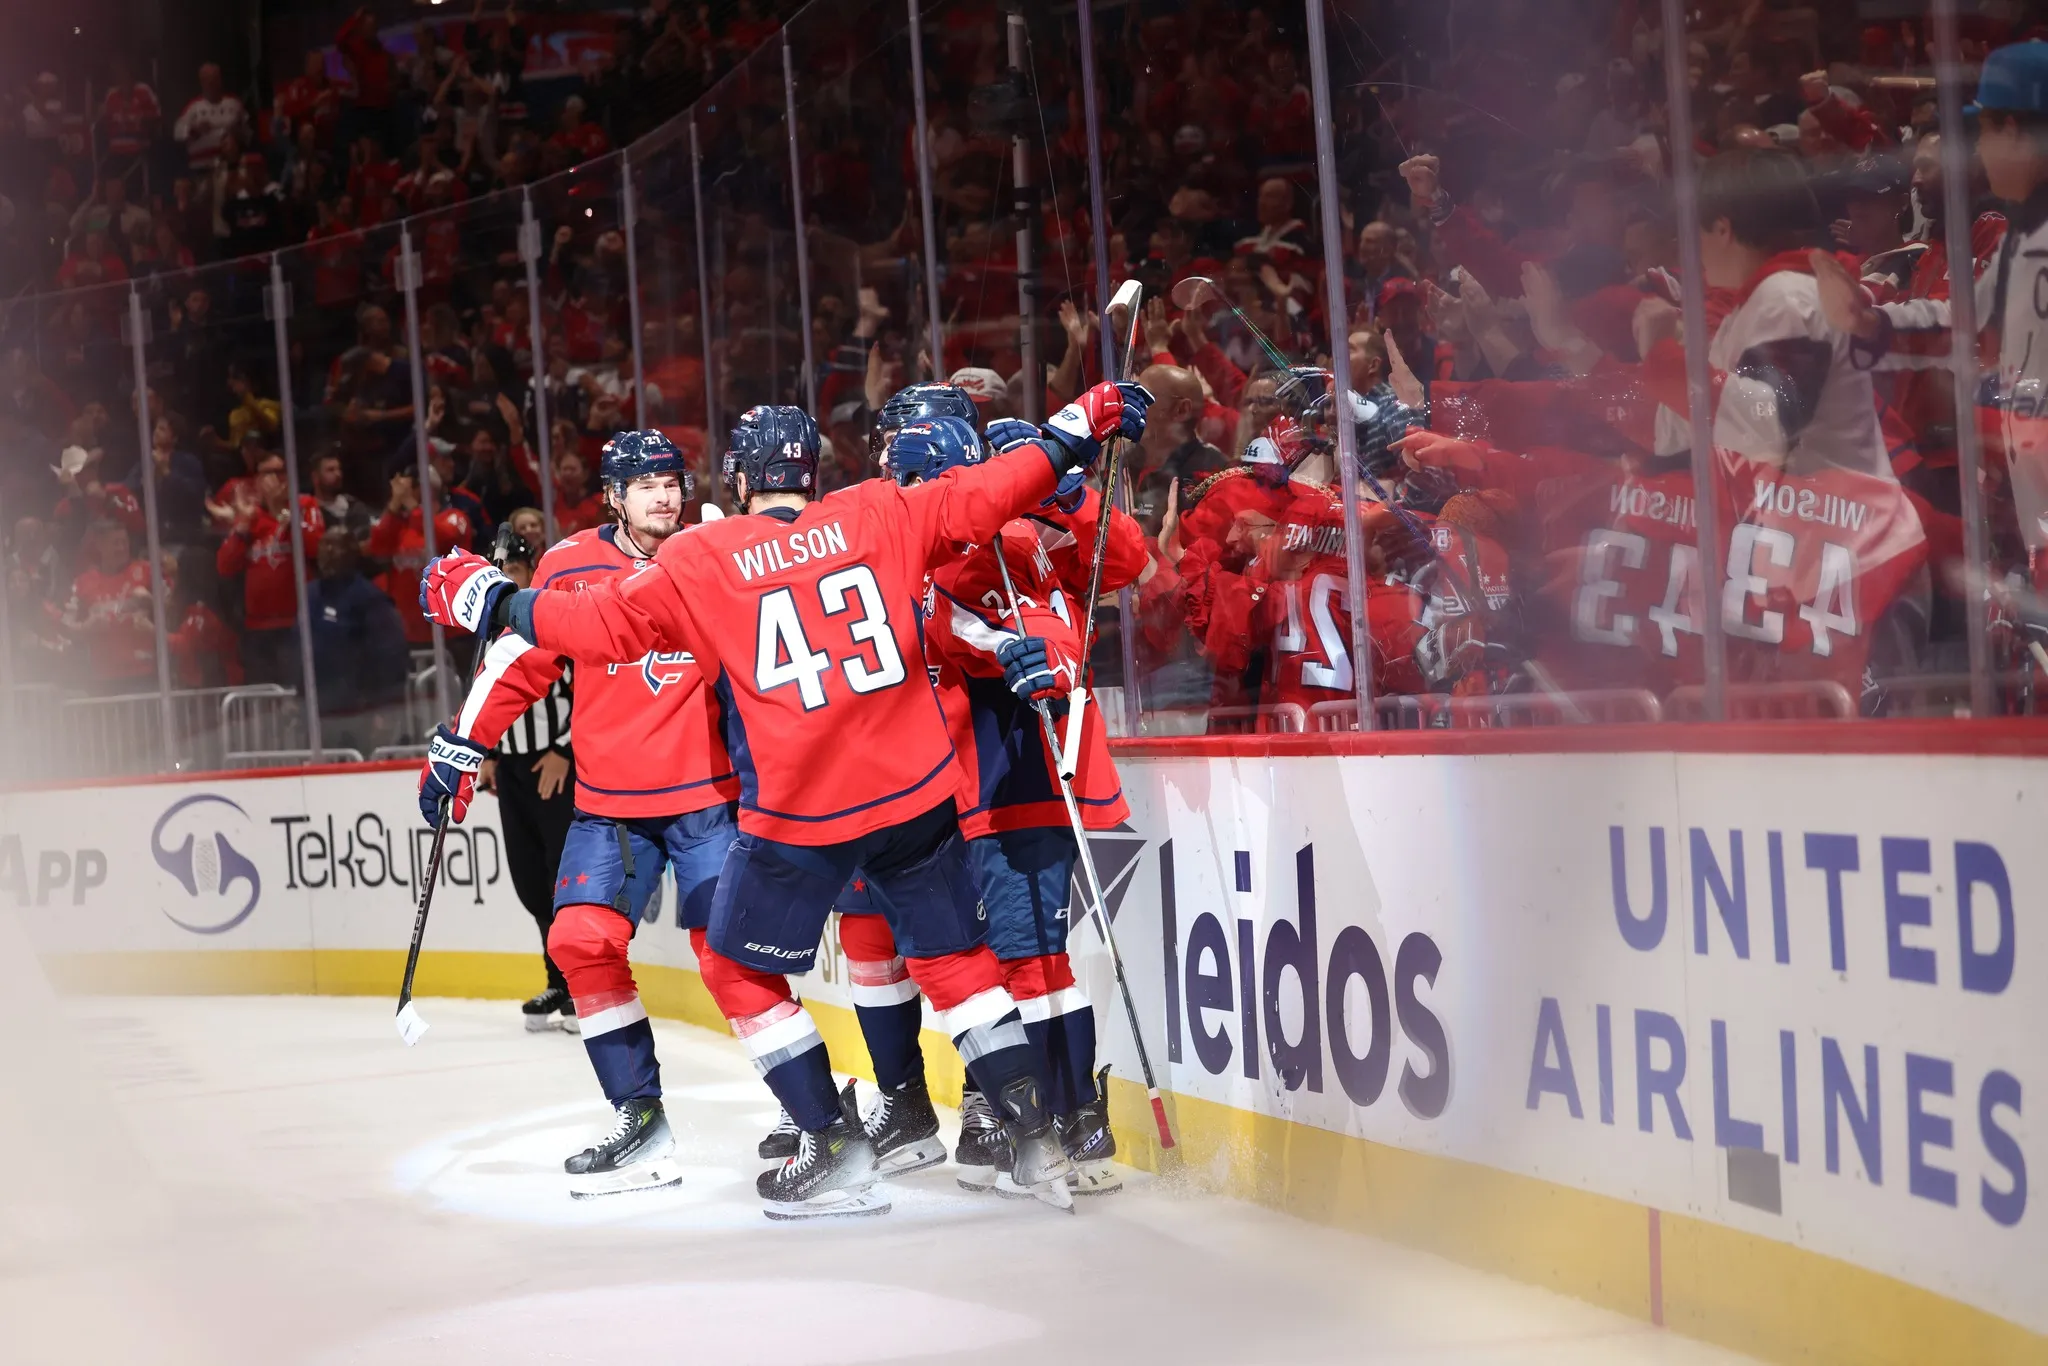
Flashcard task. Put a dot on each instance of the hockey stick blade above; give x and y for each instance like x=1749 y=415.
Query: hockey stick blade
x=411 y=1024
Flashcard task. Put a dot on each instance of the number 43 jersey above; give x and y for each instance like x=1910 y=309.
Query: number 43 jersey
x=646 y=733
x=809 y=627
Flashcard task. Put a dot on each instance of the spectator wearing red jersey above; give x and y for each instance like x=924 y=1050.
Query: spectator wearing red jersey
x=308 y=99
x=373 y=115
x=209 y=122
x=129 y=119
x=577 y=506
x=258 y=549
x=204 y=652
x=91 y=261
x=109 y=611
x=582 y=138
x=89 y=497
x=399 y=539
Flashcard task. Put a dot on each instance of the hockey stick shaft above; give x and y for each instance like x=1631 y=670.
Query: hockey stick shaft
x=419 y=924
x=1098 y=902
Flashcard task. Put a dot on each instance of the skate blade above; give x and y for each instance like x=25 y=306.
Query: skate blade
x=410 y=1024
x=830 y=1205
x=1095 y=1178
x=569 y=1025
x=912 y=1157
x=641 y=1176
x=980 y=1180
x=539 y=1024
x=1054 y=1192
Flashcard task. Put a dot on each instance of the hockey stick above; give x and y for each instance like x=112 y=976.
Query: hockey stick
x=1128 y=296
x=1099 y=904
x=411 y=1024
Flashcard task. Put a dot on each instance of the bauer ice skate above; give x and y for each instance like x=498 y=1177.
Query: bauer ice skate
x=1039 y=1166
x=984 y=1150
x=638 y=1154
x=780 y=1144
x=831 y=1174
x=902 y=1127
x=1086 y=1136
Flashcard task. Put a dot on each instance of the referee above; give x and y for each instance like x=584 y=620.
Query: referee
x=532 y=771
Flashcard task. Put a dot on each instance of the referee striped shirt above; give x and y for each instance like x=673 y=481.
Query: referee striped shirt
x=544 y=726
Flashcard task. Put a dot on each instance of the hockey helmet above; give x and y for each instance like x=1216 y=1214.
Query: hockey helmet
x=776 y=447
x=633 y=455
x=920 y=403
x=927 y=449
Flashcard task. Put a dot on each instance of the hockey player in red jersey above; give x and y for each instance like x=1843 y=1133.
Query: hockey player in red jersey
x=654 y=789
x=991 y=672
x=805 y=616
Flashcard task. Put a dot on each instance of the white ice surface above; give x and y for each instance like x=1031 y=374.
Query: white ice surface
x=280 y=1181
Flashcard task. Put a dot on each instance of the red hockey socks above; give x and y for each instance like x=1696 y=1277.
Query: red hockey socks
x=885 y=1000
x=589 y=944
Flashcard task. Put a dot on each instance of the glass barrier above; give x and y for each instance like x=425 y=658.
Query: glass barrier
x=670 y=291
x=863 y=219
x=1477 y=405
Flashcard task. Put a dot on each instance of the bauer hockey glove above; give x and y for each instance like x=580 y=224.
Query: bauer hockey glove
x=449 y=775
x=1073 y=436
x=1034 y=669
x=462 y=590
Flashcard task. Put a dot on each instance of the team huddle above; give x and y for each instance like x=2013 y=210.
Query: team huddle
x=829 y=703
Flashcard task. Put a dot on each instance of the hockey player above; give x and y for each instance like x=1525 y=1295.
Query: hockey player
x=654 y=789
x=918 y=403
x=804 y=615
x=992 y=670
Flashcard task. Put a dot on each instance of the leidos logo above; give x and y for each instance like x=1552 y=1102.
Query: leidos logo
x=220 y=880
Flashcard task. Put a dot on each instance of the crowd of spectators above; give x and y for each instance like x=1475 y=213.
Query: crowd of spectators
x=1509 y=281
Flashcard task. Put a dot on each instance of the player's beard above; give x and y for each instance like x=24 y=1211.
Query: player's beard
x=648 y=533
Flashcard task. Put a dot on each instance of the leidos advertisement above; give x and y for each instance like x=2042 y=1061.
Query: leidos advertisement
x=1798 y=996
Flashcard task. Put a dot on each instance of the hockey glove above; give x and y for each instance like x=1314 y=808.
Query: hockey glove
x=462 y=591
x=1073 y=436
x=449 y=775
x=1008 y=433
x=1033 y=670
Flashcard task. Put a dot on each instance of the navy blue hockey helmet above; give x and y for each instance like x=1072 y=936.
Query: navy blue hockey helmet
x=920 y=403
x=632 y=455
x=927 y=449
x=776 y=447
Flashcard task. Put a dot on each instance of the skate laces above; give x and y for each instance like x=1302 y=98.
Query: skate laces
x=977 y=1113
x=806 y=1154
x=784 y=1124
x=877 y=1116
x=624 y=1122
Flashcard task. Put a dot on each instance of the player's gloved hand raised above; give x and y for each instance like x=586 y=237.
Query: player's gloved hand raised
x=462 y=590
x=1074 y=435
x=449 y=775
x=1033 y=669
x=1008 y=433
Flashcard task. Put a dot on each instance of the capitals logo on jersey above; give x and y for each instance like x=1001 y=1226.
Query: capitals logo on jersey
x=658 y=667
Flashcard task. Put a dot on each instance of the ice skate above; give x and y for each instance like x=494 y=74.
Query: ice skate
x=780 y=1144
x=638 y=1154
x=902 y=1127
x=832 y=1174
x=984 y=1150
x=568 y=1016
x=1039 y=1165
x=1086 y=1136
x=540 y=1012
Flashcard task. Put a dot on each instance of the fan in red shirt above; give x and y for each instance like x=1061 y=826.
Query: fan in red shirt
x=203 y=649
x=109 y=610
x=130 y=114
x=259 y=549
x=804 y=614
x=399 y=538
x=654 y=790
x=581 y=137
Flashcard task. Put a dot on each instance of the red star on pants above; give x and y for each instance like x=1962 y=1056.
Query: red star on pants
x=582 y=878
x=563 y=883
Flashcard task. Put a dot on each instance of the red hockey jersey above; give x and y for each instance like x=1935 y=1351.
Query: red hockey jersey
x=809 y=625
x=1008 y=782
x=647 y=736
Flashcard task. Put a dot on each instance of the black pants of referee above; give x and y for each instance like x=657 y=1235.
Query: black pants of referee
x=535 y=830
